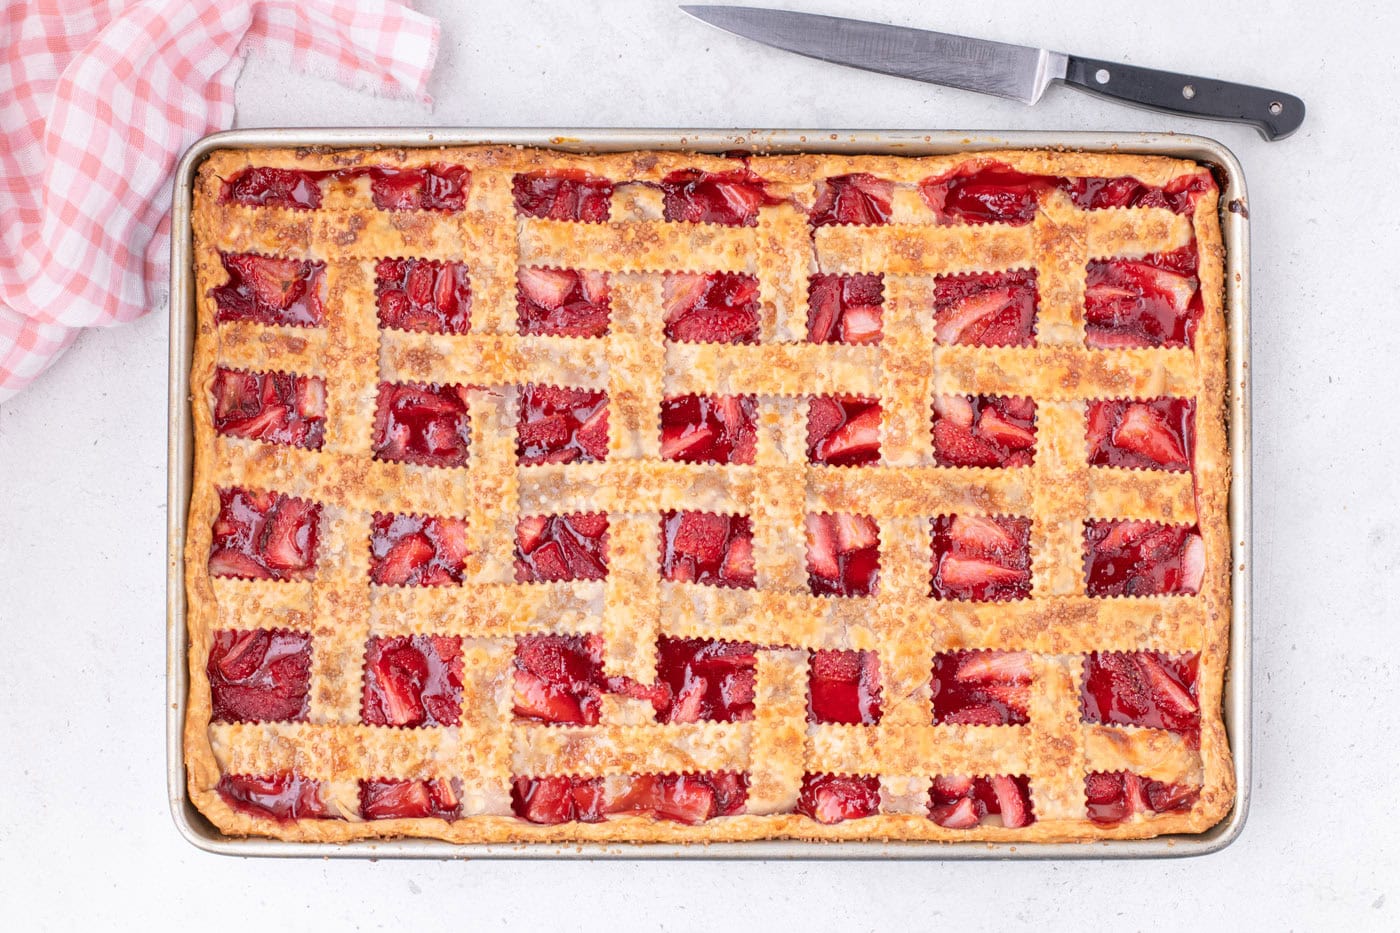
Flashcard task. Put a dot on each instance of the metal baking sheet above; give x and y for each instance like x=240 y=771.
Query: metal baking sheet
x=1238 y=710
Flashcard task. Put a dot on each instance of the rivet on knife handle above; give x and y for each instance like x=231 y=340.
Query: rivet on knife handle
x=1274 y=113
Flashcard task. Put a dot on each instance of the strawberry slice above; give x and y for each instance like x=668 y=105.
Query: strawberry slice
x=987 y=309
x=417 y=550
x=274 y=407
x=1135 y=558
x=562 y=302
x=559 y=678
x=561 y=547
x=986 y=192
x=267 y=290
x=1156 y=435
x=403 y=561
x=433 y=187
x=835 y=798
x=731 y=198
x=1170 y=694
x=1150 y=302
x=844 y=687
x=984 y=431
x=709 y=428
x=845 y=308
x=389 y=800
x=952 y=787
x=706 y=680
x=982 y=558
x=986 y=688
x=702 y=547
x=568 y=194
x=264 y=536
x=998 y=666
x=855 y=532
x=423 y=295
x=1141 y=689
x=853 y=439
x=859 y=198
x=562 y=426
x=822 y=558
x=685 y=799
x=1143 y=431
x=1165 y=798
x=960 y=815
x=412 y=680
x=970 y=573
x=985 y=536
x=240 y=655
x=422 y=423
x=259 y=675
x=282 y=796
x=718 y=307
x=261 y=186
x=558 y=799
x=843 y=556
x=1011 y=802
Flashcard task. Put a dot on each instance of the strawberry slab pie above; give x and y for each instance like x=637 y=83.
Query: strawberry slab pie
x=673 y=497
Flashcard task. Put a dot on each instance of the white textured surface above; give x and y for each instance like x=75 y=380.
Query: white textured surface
x=85 y=836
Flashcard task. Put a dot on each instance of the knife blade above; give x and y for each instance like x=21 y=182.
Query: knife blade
x=1017 y=72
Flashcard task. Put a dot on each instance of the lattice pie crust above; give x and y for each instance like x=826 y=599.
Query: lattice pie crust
x=331 y=749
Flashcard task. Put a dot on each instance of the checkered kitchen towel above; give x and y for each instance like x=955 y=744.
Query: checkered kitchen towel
x=98 y=99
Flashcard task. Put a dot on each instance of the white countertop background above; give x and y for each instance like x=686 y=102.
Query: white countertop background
x=85 y=833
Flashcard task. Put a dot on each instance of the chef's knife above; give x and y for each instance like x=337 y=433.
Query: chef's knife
x=1015 y=71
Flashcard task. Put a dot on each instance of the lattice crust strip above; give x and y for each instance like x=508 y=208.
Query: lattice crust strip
x=627 y=612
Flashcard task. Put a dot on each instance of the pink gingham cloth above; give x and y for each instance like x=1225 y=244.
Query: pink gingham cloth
x=97 y=102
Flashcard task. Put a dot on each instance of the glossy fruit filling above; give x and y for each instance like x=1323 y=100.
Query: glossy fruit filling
x=860 y=198
x=408 y=800
x=731 y=198
x=283 y=796
x=981 y=557
x=259 y=675
x=843 y=430
x=835 y=798
x=1154 y=301
x=844 y=687
x=843 y=554
x=562 y=302
x=845 y=308
x=280 y=408
x=561 y=426
x=1141 y=688
x=684 y=798
x=705 y=547
x=260 y=186
x=1178 y=195
x=417 y=550
x=983 y=430
x=422 y=423
x=709 y=428
x=705 y=680
x=551 y=548
x=716 y=307
x=986 y=309
x=1131 y=558
x=435 y=187
x=559 y=679
x=1156 y=434
x=261 y=535
x=265 y=290
x=423 y=295
x=413 y=680
x=568 y=194
x=1114 y=796
x=982 y=688
x=957 y=802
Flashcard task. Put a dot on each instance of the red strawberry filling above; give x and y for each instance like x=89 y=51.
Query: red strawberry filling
x=1154 y=301
x=570 y=194
x=435 y=187
x=844 y=687
x=283 y=796
x=843 y=554
x=717 y=307
x=408 y=800
x=1130 y=558
x=263 y=536
x=704 y=547
x=981 y=557
x=709 y=428
x=983 y=430
x=985 y=193
x=705 y=680
x=561 y=426
x=845 y=308
x=559 y=679
x=562 y=302
x=1178 y=195
x=551 y=548
x=986 y=309
x=1141 y=688
x=422 y=423
x=1114 y=796
x=259 y=186
x=266 y=290
x=1158 y=434
x=259 y=675
x=982 y=688
x=684 y=798
x=423 y=295
x=732 y=198
x=843 y=430
x=860 y=198
x=965 y=802
x=835 y=798
x=280 y=408
x=413 y=680
x=417 y=550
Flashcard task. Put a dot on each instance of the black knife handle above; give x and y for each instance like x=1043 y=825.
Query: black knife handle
x=1273 y=113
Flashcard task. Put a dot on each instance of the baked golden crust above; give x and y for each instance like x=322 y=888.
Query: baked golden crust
x=341 y=609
